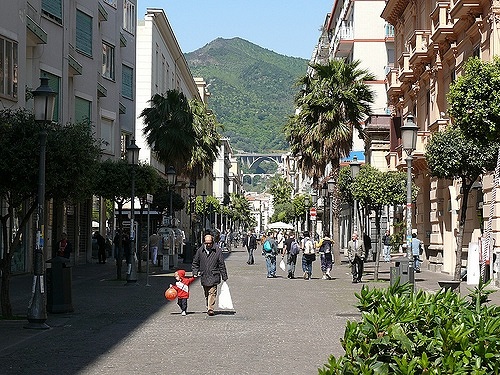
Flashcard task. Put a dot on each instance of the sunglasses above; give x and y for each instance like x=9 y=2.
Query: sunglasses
x=208 y=243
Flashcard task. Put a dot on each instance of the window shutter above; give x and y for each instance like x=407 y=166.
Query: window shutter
x=54 y=85
x=83 y=33
x=82 y=110
x=53 y=7
x=127 y=81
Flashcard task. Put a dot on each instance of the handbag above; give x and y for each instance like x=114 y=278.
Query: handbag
x=225 y=301
x=282 y=265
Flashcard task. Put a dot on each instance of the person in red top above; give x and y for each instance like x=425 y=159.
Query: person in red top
x=182 y=288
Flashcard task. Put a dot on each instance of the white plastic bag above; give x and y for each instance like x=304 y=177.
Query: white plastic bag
x=225 y=301
x=283 y=265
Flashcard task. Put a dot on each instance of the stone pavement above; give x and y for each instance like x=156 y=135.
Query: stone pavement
x=279 y=326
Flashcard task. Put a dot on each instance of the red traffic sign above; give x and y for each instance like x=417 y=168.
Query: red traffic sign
x=312 y=212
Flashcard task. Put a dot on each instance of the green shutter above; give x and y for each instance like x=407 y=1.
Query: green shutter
x=83 y=109
x=127 y=81
x=53 y=7
x=83 y=33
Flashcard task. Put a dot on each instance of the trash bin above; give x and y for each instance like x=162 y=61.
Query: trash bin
x=59 y=299
x=402 y=270
x=188 y=253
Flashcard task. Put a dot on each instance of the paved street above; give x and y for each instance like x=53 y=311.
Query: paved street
x=279 y=326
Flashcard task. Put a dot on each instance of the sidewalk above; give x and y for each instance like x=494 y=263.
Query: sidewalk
x=132 y=329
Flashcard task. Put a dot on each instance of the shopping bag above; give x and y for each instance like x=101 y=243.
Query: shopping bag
x=282 y=265
x=225 y=301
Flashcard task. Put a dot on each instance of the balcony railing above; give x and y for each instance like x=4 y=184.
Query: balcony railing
x=419 y=45
x=405 y=72
x=442 y=23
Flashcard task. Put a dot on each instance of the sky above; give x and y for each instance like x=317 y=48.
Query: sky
x=287 y=27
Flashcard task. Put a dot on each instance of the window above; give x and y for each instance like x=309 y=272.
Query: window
x=83 y=33
x=111 y=2
x=129 y=16
x=53 y=9
x=107 y=143
x=54 y=82
x=127 y=82
x=83 y=110
x=108 y=61
x=8 y=68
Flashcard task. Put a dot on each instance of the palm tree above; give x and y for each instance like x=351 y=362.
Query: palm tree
x=207 y=140
x=169 y=129
x=333 y=101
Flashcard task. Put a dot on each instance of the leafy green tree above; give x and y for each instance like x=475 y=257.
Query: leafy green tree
x=474 y=105
x=112 y=181
x=71 y=157
x=280 y=189
x=241 y=211
x=332 y=103
x=374 y=190
x=450 y=155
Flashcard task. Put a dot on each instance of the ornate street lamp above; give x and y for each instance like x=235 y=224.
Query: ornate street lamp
x=44 y=100
x=171 y=176
x=409 y=142
x=355 y=166
x=133 y=159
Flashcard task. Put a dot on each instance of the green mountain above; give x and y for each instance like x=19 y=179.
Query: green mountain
x=252 y=91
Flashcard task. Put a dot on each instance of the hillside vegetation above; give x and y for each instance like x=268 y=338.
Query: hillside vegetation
x=252 y=91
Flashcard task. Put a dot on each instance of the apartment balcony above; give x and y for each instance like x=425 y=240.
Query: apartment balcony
x=393 y=85
x=397 y=157
x=462 y=8
x=343 y=41
x=405 y=73
x=389 y=32
x=419 y=46
x=442 y=23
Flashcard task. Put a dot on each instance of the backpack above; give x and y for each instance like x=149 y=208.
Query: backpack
x=294 y=248
x=326 y=247
x=267 y=246
x=308 y=246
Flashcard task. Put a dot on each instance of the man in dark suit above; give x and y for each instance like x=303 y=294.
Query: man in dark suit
x=251 y=247
x=209 y=266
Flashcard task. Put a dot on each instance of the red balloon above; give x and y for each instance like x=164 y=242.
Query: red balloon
x=171 y=294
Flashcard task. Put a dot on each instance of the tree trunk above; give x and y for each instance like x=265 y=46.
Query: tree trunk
x=461 y=226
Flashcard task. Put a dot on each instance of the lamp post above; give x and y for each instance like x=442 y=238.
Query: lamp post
x=314 y=198
x=132 y=158
x=331 y=190
x=192 y=200
x=203 y=199
x=355 y=166
x=307 y=202
x=324 y=195
x=409 y=143
x=44 y=100
x=171 y=175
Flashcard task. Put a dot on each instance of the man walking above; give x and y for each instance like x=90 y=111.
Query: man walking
x=269 y=251
x=251 y=246
x=209 y=266
x=326 y=257
x=292 y=249
x=356 y=256
x=386 y=240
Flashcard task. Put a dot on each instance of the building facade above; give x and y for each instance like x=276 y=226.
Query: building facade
x=87 y=50
x=354 y=30
x=433 y=40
